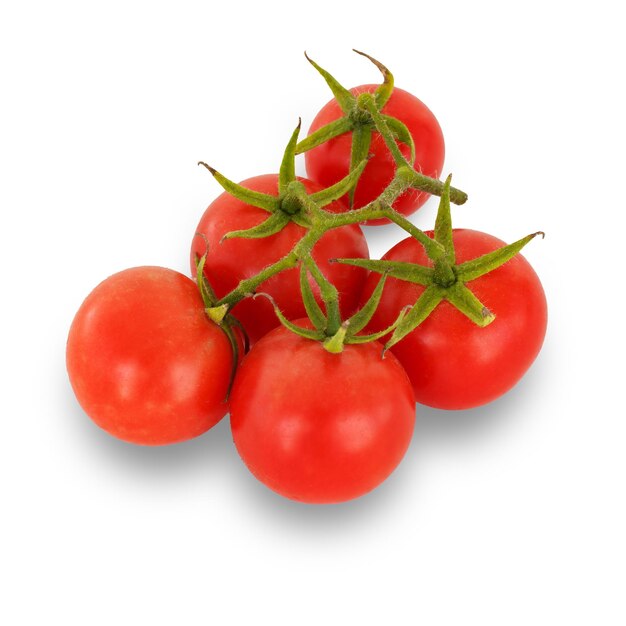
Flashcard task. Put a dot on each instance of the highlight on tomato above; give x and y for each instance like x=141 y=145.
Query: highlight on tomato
x=316 y=426
x=144 y=360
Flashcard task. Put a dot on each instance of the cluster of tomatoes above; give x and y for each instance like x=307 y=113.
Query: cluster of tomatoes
x=318 y=353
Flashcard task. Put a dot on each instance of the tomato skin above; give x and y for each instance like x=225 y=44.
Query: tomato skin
x=330 y=162
x=145 y=362
x=452 y=362
x=232 y=260
x=319 y=427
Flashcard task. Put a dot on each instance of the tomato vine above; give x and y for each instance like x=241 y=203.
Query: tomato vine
x=362 y=115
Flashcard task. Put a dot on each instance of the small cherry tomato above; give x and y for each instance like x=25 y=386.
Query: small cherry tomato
x=145 y=362
x=232 y=260
x=330 y=162
x=320 y=427
x=452 y=362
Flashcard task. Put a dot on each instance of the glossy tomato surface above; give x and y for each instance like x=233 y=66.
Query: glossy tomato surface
x=145 y=362
x=233 y=260
x=319 y=427
x=330 y=162
x=452 y=362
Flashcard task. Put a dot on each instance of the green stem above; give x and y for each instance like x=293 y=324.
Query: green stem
x=334 y=344
x=322 y=221
x=249 y=285
x=435 y=186
x=443 y=275
x=378 y=209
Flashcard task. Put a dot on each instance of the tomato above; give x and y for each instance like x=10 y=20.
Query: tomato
x=330 y=162
x=452 y=362
x=232 y=260
x=145 y=362
x=320 y=427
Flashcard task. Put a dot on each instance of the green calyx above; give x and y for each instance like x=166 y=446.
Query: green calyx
x=292 y=202
x=363 y=115
x=328 y=327
x=444 y=280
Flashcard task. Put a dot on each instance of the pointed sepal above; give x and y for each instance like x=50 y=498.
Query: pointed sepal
x=313 y=310
x=344 y=98
x=339 y=189
x=383 y=92
x=325 y=133
x=401 y=133
x=307 y=333
x=329 y=293
x=492 y=260
x=443 y=223
x=287 y=172
x=424 y=306
x=270 y=226
x=362 y=317
x=206 y=291
x=466 y=302
x=255 y=198
x=381 y=333
x=410 y=272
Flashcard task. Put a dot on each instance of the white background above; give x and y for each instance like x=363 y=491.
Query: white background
x=509 y=514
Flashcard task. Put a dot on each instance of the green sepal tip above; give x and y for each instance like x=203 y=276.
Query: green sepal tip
x=344 y=98
x=424 y=306
x=307 y=333
x=362 y=317
x=312 y=308
x=384 y=90
x=339 y=189
x=249 y=196
x=492 y=260
x=287 y=172
x=410 y=272
x=270 y=226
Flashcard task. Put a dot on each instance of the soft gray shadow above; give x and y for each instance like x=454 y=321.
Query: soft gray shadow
x=314 y=517
x=381 y=238
x=432 y=427
x=465 y=426
x=208 y=450
x=214 y=451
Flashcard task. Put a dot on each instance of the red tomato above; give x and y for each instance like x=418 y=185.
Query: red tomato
x=330 y=162
x=145 y=362
x=320 y=427
x=229 y=262
x=452 y=362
